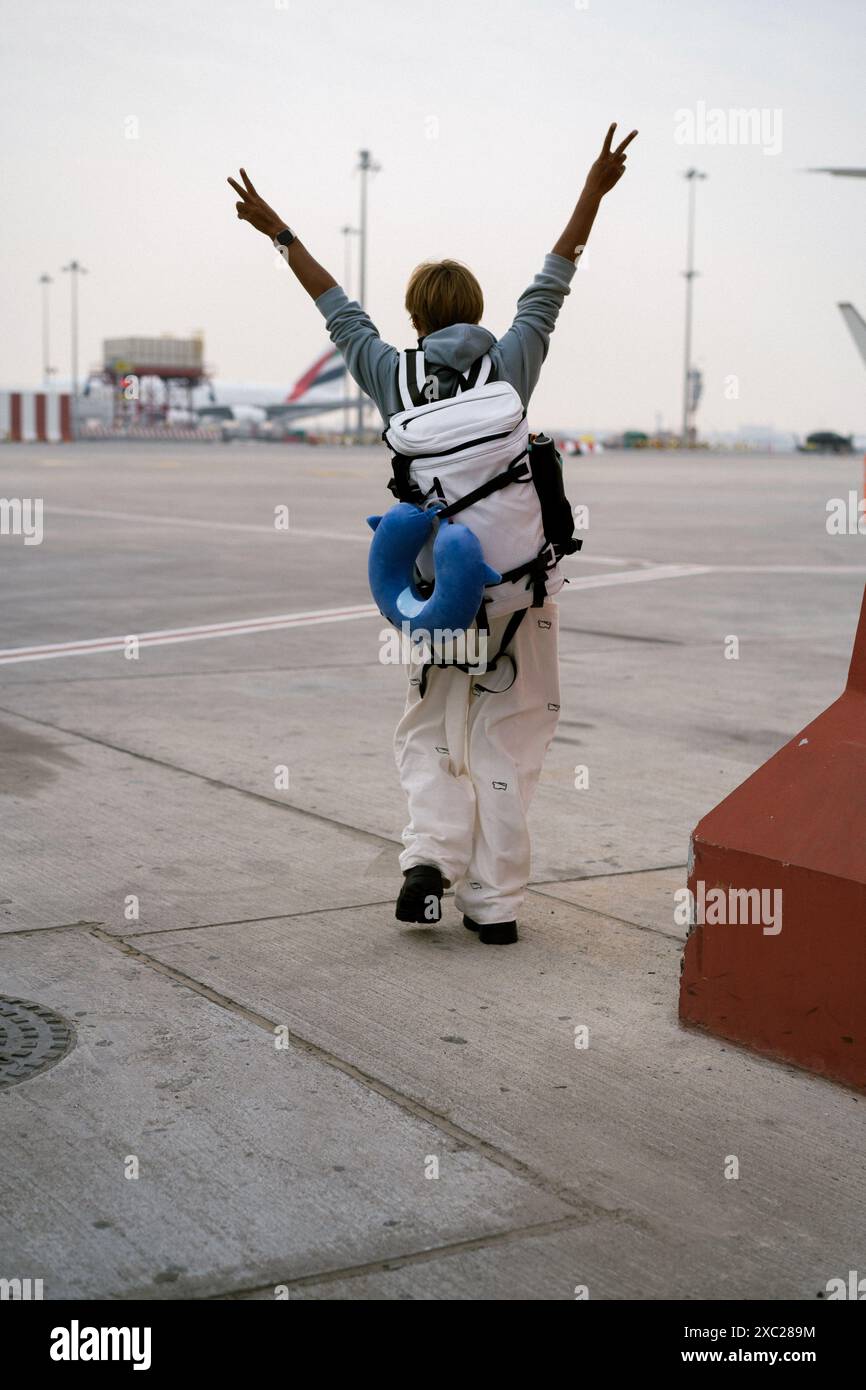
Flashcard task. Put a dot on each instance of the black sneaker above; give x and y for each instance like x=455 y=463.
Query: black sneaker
x=493 y=933
x=420 y=897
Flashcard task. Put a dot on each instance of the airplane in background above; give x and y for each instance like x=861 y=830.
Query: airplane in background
x=320 y=389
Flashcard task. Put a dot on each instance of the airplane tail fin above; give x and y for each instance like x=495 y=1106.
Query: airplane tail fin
x=322 y=380
x=856 y=327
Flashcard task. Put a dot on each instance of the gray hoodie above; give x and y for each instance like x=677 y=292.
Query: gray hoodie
x=517 y=356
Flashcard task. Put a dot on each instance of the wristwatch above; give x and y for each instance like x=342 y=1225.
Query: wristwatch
x=284 y=238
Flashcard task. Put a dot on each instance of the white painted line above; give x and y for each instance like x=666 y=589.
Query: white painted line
x=362 y=534
x=790 y=569
x=587 y=557
x=202 y=524
x=302 y=533
x=169 y=636
x=242 y=627
x=602 y=581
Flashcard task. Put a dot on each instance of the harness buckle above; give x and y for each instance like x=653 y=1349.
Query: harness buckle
x=554 y=558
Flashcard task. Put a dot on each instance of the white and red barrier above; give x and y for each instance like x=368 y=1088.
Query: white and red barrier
x=35 y=417
x=201 y=434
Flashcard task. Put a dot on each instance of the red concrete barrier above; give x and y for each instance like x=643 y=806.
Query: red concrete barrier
x=789 y=983
x=35 y=417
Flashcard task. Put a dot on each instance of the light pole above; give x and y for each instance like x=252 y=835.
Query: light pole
x=365 y=166
x=45 y=281
x=74 y=269
x=347 y=233
x=691 y=175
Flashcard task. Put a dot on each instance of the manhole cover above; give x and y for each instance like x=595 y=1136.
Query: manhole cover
x=31 y=1038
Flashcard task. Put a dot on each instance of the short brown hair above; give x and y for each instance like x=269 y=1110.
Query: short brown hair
x=440 y=293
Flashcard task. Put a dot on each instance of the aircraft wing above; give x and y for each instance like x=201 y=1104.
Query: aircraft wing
x=841 y=173
x=289 y=412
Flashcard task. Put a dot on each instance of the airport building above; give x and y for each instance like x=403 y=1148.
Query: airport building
x=151 y=377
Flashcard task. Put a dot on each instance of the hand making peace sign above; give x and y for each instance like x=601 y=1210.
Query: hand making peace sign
x=253 y=209
x=609 y=168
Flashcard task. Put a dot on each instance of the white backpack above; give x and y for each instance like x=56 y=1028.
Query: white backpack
x=471 y=451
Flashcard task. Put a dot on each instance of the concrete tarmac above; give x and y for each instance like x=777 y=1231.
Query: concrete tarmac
x=201 y=823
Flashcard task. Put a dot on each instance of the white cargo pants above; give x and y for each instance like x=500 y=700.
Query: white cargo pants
x=469 y=762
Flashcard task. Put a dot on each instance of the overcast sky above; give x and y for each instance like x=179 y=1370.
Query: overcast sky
x=484 y=118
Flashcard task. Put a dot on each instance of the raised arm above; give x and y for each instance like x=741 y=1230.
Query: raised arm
x=370 y=361
x=607 y=171
x=253 y=209
x=520 y=353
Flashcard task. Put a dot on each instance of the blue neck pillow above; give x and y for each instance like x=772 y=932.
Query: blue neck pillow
x=460 y=570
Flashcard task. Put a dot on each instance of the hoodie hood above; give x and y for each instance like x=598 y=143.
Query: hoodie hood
x=457 y=346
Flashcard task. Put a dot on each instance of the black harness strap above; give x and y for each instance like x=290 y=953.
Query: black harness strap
x=402 y=486
x=535 y=572
x=482 y=367
x=510 y=628
x=471 y=378
x=411 y=373
x=516 y=472
x=465 y=383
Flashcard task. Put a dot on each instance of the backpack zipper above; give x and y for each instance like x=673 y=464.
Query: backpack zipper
x=470 y=443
